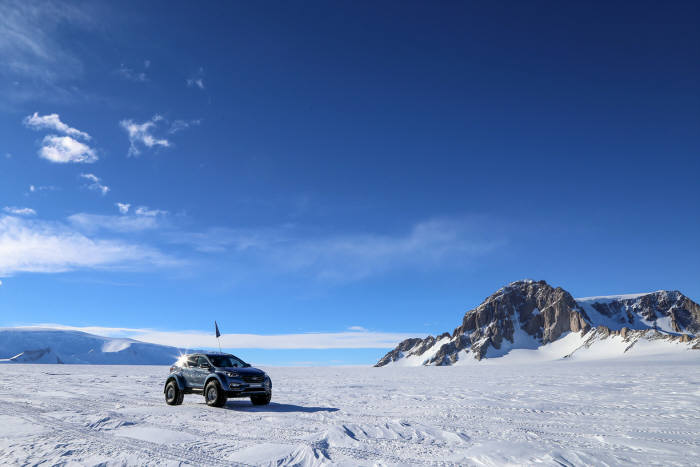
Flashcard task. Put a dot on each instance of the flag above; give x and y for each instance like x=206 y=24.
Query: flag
x=218 y=334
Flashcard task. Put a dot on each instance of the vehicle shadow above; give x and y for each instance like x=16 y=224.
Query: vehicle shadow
x=245 y=406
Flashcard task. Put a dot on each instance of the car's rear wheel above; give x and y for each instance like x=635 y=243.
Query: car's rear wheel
x=262 y=399
x=214 y=395
x=173 y=395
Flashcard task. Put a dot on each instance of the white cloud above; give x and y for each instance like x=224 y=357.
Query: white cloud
x=53 y=122
x=198 y=339
x=0 y=282
x=53 y=247
x=357 y=328
x=95 y=183
x=140 y=135
x=94 y=222
x=64 y=149
x=145 y=211
x=8 y=155
x=123 y=207
x=19 y=211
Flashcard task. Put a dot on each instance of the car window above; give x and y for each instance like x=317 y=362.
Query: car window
x=202 y=361
x=226 y=361
x=192 y=361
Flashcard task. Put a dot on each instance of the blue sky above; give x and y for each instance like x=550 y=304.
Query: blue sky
x=362 y=171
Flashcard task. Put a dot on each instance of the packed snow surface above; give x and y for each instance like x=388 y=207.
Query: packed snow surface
x=633 y=411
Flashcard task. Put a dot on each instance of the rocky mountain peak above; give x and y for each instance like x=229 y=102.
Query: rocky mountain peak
x=529 y=313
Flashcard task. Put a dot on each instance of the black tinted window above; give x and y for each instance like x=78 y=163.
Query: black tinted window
x=224 y=361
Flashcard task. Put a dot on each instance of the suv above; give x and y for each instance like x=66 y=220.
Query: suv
x=217 y=376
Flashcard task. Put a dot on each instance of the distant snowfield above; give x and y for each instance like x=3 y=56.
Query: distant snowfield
x=642 y=410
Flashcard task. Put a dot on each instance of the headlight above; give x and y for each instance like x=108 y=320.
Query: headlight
x=232 y=374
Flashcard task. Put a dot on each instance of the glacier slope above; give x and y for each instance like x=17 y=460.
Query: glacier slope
x=46 y=345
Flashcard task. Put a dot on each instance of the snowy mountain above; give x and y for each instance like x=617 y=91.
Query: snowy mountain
x=39 y=345
x=532 y=320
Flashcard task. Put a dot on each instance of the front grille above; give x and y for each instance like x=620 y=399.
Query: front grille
x=253 y=379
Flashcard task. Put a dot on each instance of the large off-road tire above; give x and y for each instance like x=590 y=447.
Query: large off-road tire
x=214 y=395
x=262 y=399
x=173 y=395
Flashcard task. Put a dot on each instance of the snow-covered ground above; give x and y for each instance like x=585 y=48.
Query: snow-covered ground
x=633 y=411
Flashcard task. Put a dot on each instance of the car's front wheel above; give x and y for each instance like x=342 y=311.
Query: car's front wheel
x=173 y=395
x=214 y=395
x=261 y=399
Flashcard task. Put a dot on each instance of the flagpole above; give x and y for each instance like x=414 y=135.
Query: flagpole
x=218 y=334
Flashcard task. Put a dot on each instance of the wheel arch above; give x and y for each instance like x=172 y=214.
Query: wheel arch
x=216 y=378
x=178 y=380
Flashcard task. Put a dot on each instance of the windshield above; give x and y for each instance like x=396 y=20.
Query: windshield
x=224 y=361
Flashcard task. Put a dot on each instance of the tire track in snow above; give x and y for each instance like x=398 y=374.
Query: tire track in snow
x=70 y=432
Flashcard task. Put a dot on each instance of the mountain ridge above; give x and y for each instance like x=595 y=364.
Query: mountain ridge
x=46 y=345
x=530 y=314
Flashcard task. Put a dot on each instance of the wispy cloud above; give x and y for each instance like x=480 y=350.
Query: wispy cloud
x=94 y=222
x=36 y=62
x=350 y=257
x=179 y=125
x=65 y=149
x=143 y=218
x=19 y=211
x=132 y=75
x=140 y=135
x=51 y=247
x=148 y=212
x=197 y=339
x=196 y=80
x=38 y=188
x=52 y=122
x=95 y=183
x=27 y=41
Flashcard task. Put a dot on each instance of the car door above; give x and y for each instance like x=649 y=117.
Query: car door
x=188 y=372
x=201 y=371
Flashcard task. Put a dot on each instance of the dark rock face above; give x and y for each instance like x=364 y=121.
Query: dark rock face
x=544 y=313
x=397 y=353
x=682 y=313
x=536 y=308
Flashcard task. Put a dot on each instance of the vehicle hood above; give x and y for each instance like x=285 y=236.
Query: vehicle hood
x=243 y=371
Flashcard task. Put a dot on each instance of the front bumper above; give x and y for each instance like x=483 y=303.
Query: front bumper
x=244 y=391
x=240 y=388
